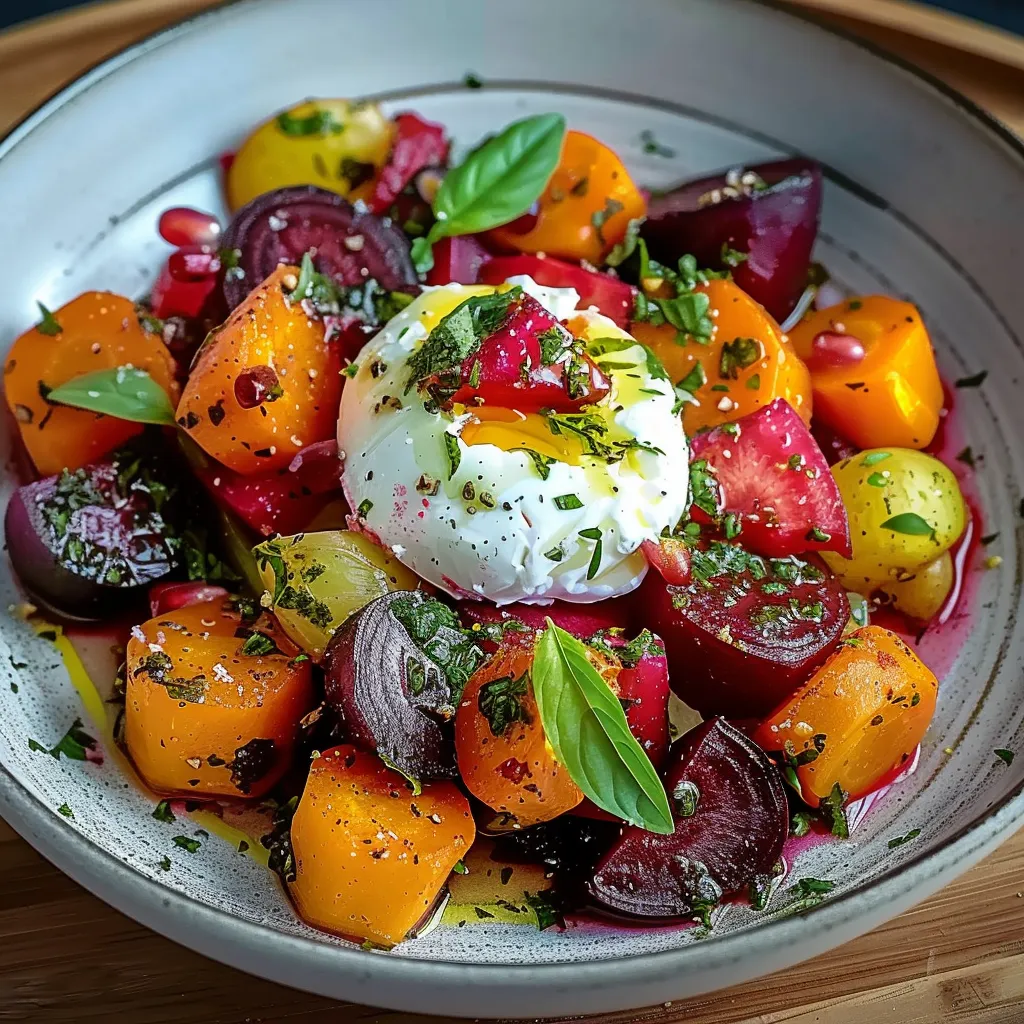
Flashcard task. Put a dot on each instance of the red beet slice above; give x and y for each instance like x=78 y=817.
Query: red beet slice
x=731 y=822
x=747 y=631
x=833 y=446
x=186 y=283
x=770 y=475
x=350 y=246
x=670 y=558
x=612 y=296
x=418 y=144
x=393 y=673
x=168 y=597
x=768 y=211
x=83 y=542
x=282 y=502
x=581 y=620
x=458 y=260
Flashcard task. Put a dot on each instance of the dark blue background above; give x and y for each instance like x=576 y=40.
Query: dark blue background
x=1007 y=14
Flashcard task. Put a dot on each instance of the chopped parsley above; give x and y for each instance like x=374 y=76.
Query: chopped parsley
x=319 y=122
x=873 y=458
x=458 y=336
x=66 y=811
x=653 y=147
x=48 y=325
x=452 y=452
x=900 y=840
x=601 y=217
x=687 y=310
x=185 y=843
x=162 y=812
x=541 y=463
x=75 y=744
x=737 y=355
x=1004 y=755
x=502 y=703
x=258 y=643
x=834 y=812
x=567 y=502
x=974 y=381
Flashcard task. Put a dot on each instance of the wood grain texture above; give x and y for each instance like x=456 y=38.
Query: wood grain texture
x=67 y=958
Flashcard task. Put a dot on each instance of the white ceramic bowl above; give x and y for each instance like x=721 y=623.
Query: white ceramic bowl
x=925 y=199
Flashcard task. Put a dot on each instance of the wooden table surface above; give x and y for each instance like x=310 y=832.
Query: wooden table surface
x=958 y=957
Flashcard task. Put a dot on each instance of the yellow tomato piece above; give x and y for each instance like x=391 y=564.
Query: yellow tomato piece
x=922 y=593
x=747 y=364
x=893 y=396
x=585 y=208
x=905 y=509
x=96 y=331
x=334 y=144
x=864 y=712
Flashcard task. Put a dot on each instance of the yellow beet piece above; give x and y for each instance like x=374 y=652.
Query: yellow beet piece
x=335 y=144
x=317 y=580
x=370 y=857
x=204 y=719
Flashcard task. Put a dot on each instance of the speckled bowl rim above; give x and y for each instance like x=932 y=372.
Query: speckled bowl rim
x=227 y=938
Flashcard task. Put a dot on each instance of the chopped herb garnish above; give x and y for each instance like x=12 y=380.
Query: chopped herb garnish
x=363 y=510
x=48 y=325
x=453 y=453
x=74 y=744
x=733 y=257
x=472 y=81
x=812 y=887
x=816 y=533
x=567 y=502
x=909 y=523
x=694 y=380
x=185 y=843
x=878 y=479
x=653 y=147
x=502 y=703
x=800 y=823
x=1004 y=755
x=834 y=812
x=601 y=217
x=966 y=457
x=165 y=864
x=873 y=458
x=972 y=382
x=65 y=810
x=319 y=122
x=688 y=311
x=259 y=643
x=163 y=812
x=900 y=840
x=989 y=538
x=737 y=355
x=541 y=463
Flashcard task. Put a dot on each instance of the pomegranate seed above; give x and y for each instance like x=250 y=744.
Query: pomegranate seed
x=181 y=225
x=832 y=349
x=256 y=385
x=193 y=263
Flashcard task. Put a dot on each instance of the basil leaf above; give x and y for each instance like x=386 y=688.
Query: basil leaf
x=123 y=392
x=499 y=181
x=909 y=523
x=586 y=727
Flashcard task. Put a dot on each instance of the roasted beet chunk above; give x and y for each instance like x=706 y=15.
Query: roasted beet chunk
x=81 y=542
x=761 y=220
x=746 y=631
x=731 y=820
x=394 y=674
x=350 y=246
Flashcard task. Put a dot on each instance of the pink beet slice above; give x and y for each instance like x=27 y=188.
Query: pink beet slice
x=731 y=820
x=767 y=211
x=769 y=473
x=746 y=631
x=612 y=296
x=581 y=620
x=284 y=501
x=350 y=246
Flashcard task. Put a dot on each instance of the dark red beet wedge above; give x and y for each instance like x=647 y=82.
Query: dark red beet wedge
x=770 y=475
x=418 y=144
x=458 y=260
x=612 y=296
x=581 y=620
x=84 y=542
x=768 y=212
x=350 y=246
x=731 y=820
x=746 y=631
x=393 y=674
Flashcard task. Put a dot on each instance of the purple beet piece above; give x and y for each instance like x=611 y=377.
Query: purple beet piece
x=349 y=245
x=731 y=821
x=84 y=542
x=393 y=674
x=767 y=211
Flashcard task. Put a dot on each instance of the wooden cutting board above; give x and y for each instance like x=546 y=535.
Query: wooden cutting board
x=958 y=957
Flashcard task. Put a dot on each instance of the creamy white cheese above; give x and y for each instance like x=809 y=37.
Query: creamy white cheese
x=493 y=529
